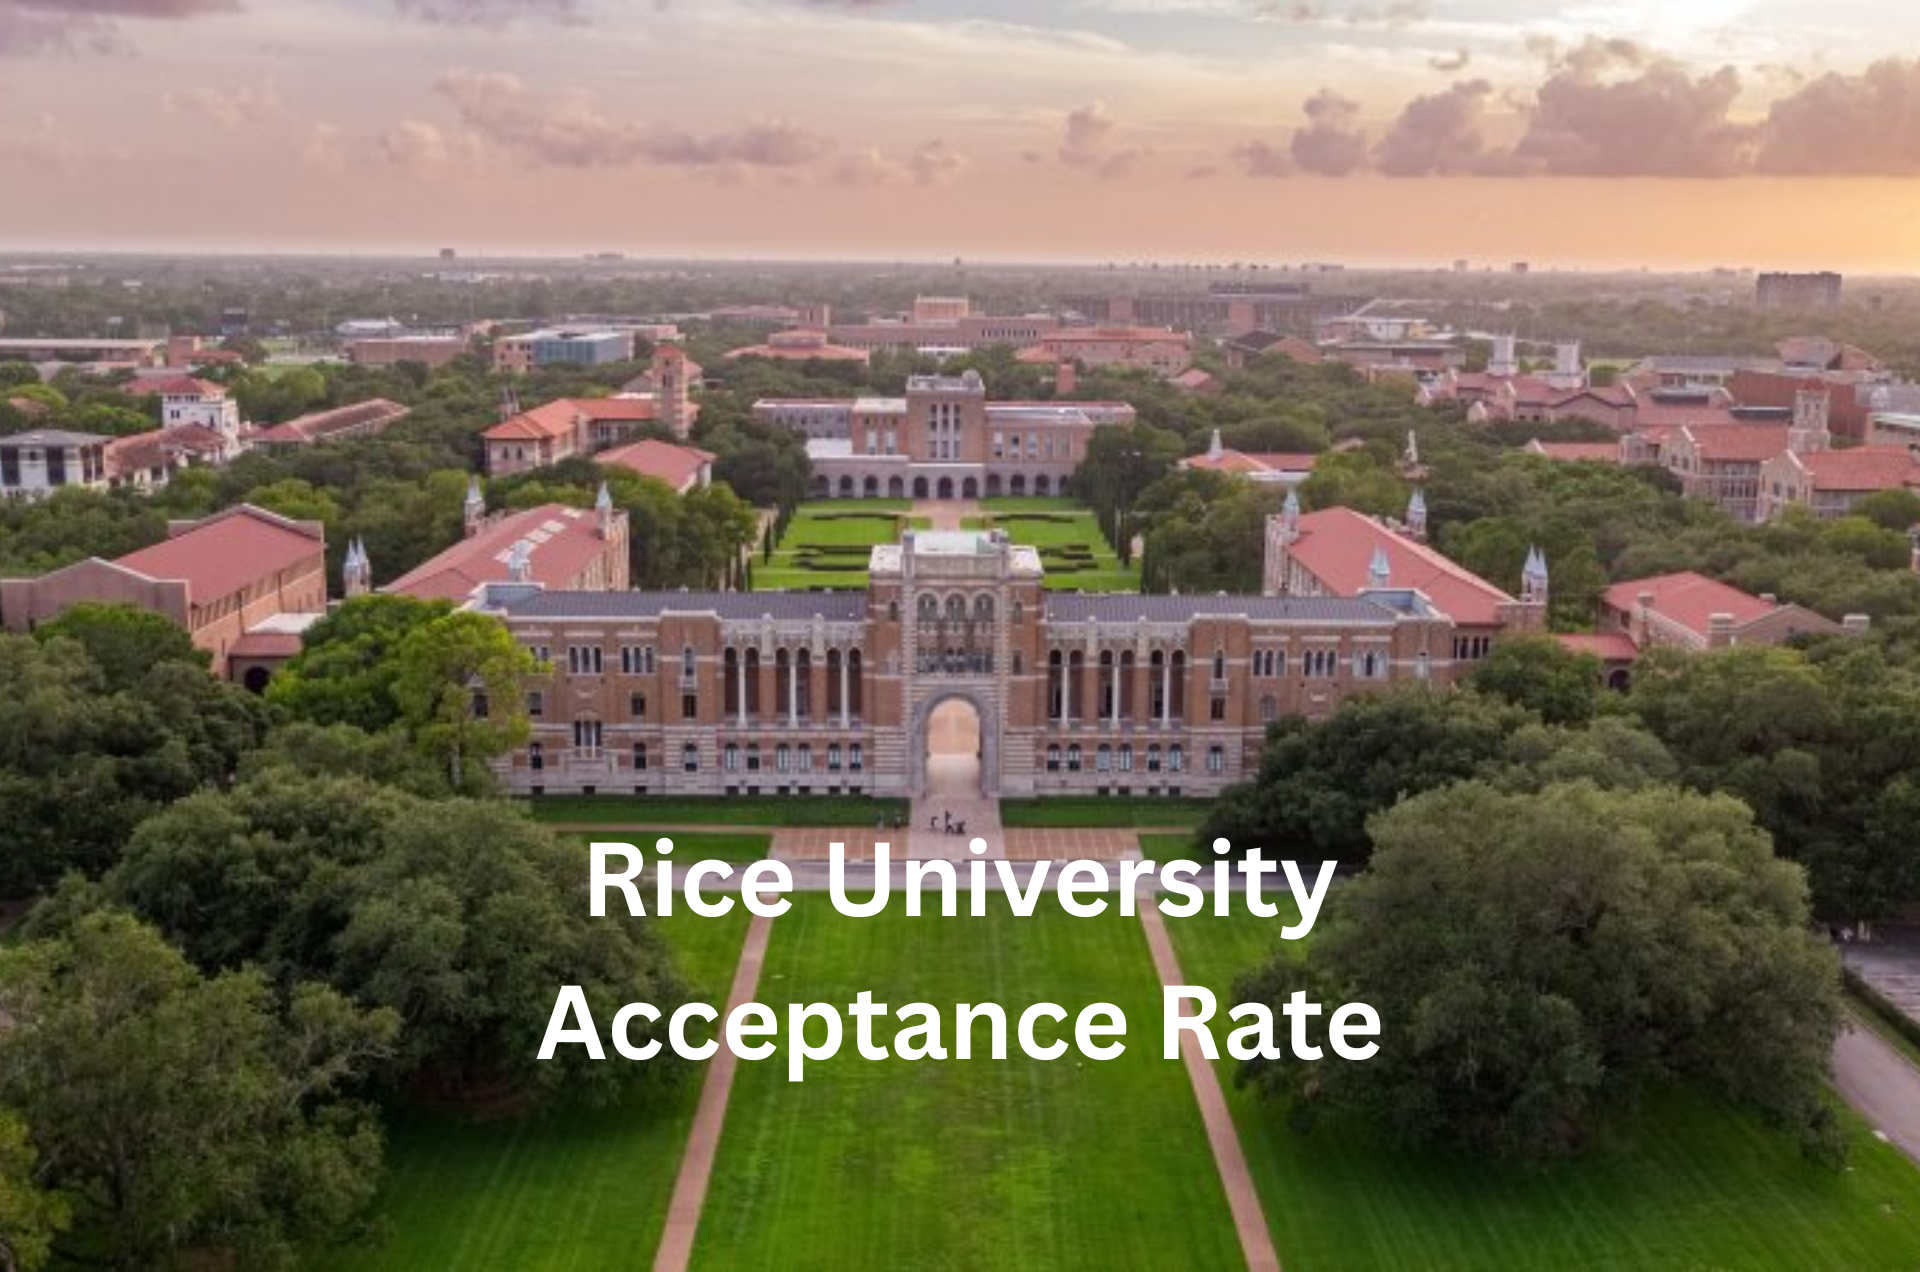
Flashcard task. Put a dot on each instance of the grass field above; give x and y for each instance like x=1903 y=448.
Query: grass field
x=828 y=542
x=1074 y=552
x=587 y=1188
x=690 y=846
x=1098 y=811
x=1687 y=1183
x=714 y=810
x=976 y=1164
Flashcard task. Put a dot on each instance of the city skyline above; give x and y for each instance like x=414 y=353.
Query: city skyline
x=1392 y=132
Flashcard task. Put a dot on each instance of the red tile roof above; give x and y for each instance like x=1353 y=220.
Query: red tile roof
x=319 y=425
x=222 y=554
x=1739 y=443
x=564 y=540
x=1688 y=599
x=1337 y=545
x=675 y=465
x=1862 y=468
x=1233 y=461
x=182 y=386
x=560 y=418
x=1606 y=646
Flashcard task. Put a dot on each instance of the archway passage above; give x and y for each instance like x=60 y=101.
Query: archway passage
x=953 y=745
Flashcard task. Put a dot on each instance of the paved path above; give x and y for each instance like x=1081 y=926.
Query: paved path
x=1256 y=1241
x=945 y=514
x=1891 y=964
x=710 y=1116
x=1880 y=1082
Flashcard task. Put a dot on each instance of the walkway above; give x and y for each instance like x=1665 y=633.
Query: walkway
x=710 y=1116
x=1882 y=1083
x=946 y=514
x=1891 y=964
x=1243 y=1199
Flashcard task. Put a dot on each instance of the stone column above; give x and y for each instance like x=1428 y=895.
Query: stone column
x=740 y=684
x=846 y=690
x=793 y=691
x=1166 y=687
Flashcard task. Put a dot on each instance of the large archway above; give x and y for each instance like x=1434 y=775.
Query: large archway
x=956 y=749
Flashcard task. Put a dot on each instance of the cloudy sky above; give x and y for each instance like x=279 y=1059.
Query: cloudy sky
x=1745 y=132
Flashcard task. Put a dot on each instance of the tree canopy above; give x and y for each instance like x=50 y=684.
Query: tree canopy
x=1545 y=956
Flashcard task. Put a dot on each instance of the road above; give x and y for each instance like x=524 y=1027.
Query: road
x=1880 y=1082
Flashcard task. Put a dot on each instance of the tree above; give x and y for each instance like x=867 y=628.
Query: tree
x=460 y=685
x=1318 y=782
x=463 y=916
x=30 y=1216
x=1542 y=675
x=81 y=762
x=124 y=641
x=1538 y=959
x=1119 y=464
x=186 y=1115
x=348 y=662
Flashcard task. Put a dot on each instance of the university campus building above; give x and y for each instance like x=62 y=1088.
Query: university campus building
x=942 y=440
x=741 y=693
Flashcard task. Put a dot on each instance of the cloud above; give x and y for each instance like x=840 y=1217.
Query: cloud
x=423 y=148
x=566 y=130
x=1611 y=109
x=1847 y=125
x=88 y=26
x=1332 y=144
x=1453 y=63
x=928 y=164
x=1088 y=144
x=1438 y=135
x=1394 y=13
x=1261 y=159
x=491 y=14
x=228 y=108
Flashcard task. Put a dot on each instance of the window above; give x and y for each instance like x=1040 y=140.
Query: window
x=1217 y=708
x=753 y=757
x=639 y=757
x=782 y=758
x=689 y=665
x=806 y=757
x=1126 y=757
x=479 y=705
x=1269 y=709
x=1153 y=758
x=1216 y=759
x=586 y=735
x=856 y=758
x=833 y=758
x=689 y=706
x=1103 y=759
x=690 y=758
x=542 y=654
x=583 y=660
x=636 y=660
x=1175 y=758
x=1053 y=757
x=1073 y=757
x=1219 y=665
x=637 y=706
x=536 y=756
x=731 y=762
x=536 y=703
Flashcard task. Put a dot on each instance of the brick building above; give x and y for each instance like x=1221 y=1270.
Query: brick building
x=220 y=578
x=828 y=692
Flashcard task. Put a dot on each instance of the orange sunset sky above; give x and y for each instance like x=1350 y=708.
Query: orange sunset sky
x=1782 y=133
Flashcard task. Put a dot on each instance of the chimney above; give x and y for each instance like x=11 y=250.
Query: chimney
x=1768 y=598
x=1719 y=631
x=1066 y=379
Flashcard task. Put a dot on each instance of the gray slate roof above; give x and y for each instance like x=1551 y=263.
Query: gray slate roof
x=832 y=606
x=1076 y=607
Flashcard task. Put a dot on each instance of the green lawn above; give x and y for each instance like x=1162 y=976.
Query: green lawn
x=828 y=542
x=1099 y=811
x=714 y=810
x=1688 y=1183
x=1073 y=551
x=587 y=1188
x=1033 y=504
x=975 y=1164
x=696 y=845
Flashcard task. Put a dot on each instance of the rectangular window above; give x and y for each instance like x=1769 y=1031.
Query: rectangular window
x=1217 y=709
x=586 y=735
x=856 y=758
x=689 y=706
x=639 y=757
x=637 y=706
x=536 y=704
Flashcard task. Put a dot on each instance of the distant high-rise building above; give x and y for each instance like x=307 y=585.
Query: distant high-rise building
x=1798 y=291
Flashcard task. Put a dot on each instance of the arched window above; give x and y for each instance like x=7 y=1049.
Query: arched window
x=1053 y=757
x=928 y=607
x=983 y=608
x=1153 y=758
x=956 y=609
x=1073 y=757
